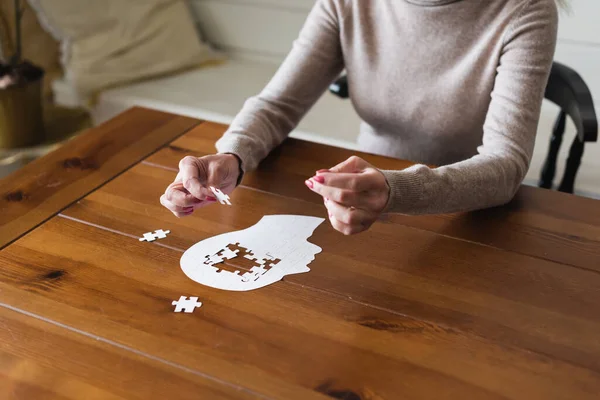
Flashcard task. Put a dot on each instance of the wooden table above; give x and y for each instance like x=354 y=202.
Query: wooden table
x=497 y=304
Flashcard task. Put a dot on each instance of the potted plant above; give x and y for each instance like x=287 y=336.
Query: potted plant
x=21 y=117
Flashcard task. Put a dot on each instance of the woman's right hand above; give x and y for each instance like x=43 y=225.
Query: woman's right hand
x=191 y=188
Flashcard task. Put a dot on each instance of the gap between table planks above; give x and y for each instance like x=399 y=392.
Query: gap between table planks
x=542 y=223
x=42 y=360
x=371 y=323
x=382 y=322
x=47 y=185
x=285 y=341
x=492 y=293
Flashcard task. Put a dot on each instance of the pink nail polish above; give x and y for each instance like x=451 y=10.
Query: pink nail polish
x=319 y=179
x=309 y=184
x=210 y=198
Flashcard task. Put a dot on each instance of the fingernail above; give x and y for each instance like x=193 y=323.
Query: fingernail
x=188 y=209
x=319 y=179
x=330 y=215
x=210 y=198
x=322 y=170
x=309 y=184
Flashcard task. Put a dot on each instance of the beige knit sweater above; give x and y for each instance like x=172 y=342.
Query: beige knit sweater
x=452 y=83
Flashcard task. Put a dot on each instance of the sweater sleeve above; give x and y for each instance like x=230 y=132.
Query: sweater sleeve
x=494 y=174
x=313 y=63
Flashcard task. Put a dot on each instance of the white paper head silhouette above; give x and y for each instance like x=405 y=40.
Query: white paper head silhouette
x=274 y=247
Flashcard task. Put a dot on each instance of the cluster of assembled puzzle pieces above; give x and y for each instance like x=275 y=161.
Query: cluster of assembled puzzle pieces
x=229 y=261
x=262 y=262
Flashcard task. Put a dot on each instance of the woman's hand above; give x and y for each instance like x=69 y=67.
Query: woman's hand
x=355 y=194
x=191 y=188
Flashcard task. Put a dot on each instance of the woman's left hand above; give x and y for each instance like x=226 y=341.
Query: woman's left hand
x=354 y=192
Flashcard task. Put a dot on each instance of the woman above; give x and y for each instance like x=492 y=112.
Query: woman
x=453 y=83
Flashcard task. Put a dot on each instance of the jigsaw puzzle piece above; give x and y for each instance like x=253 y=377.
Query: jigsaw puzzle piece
x=186 y=305
x=152 y=236
x=147 y=237
x=212 y=260
x=160 y=234
x=228 y=254
x=221 y=197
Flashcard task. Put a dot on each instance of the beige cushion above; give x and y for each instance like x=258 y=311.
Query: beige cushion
x=105 y=43
x=38 y=46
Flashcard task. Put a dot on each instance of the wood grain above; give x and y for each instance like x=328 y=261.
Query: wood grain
x=541 y=223
x=498 y=304
x=427 y=276
x=286 y=341
x=40 y=360
x=41 y=189
x=240 y=337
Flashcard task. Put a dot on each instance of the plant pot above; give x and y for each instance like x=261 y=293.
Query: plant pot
x=21 y=114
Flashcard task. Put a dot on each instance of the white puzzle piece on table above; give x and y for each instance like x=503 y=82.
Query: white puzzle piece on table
x=255 y=257
x=151 y=237
x=186 y=305
x=222 y=197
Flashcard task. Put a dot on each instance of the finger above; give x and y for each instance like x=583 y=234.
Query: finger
x=209 y=201
x=185 y=211
x=352 y=164
x=342 y=196
x=345 y=228
x=179 y=196
x=175 y=209
x=356 y=182
x=216 y=177
x=350 y=215
x=348 y=198
x=193 y=174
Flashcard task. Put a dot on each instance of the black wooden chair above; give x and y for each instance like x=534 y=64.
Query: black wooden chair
x=567 y=90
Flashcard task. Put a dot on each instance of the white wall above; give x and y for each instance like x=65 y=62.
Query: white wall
x=258 y=29
x=579 y=42
x=265 y=29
